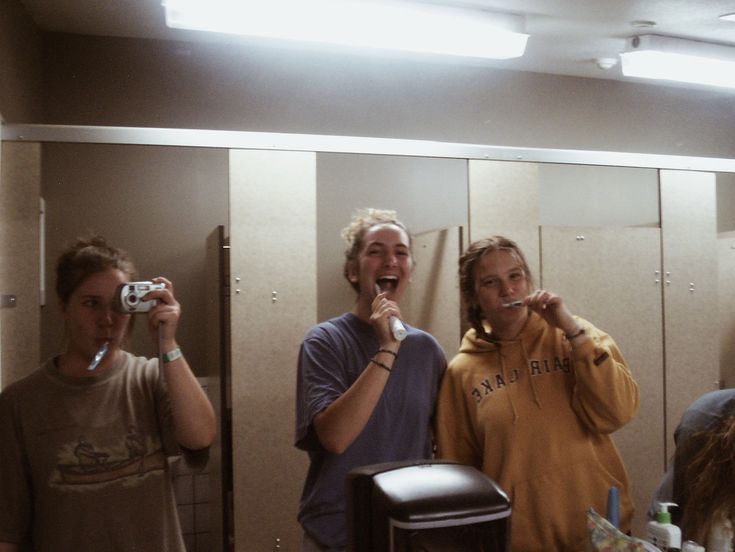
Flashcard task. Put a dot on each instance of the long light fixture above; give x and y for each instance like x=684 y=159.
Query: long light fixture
x=676 y=59
x=391 y=25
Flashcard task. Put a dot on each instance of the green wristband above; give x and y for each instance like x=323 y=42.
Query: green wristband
x=172 y=355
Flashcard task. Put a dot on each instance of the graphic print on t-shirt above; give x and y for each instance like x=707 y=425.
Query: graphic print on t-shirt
x=84 y=462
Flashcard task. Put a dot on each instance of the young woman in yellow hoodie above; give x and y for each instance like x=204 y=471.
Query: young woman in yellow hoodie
x=531 y=400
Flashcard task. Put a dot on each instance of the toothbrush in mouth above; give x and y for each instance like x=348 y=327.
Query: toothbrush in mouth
x=98 y=357
x=513 y=304
x=396 y=326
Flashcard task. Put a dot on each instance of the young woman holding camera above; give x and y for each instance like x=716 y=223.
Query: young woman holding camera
x=86 y=437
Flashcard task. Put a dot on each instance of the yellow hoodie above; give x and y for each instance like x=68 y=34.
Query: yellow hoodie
x=536 y=417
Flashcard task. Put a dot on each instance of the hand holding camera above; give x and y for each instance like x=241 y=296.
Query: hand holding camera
x=163 y=322
x=129 y=299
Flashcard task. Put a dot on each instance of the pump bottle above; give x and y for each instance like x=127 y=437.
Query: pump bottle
x=662 y=533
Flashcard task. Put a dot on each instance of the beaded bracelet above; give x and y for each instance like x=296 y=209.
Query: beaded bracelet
x=383 y=366
x=395 y=355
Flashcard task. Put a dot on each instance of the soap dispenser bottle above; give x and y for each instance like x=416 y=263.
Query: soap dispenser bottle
x=663 y=534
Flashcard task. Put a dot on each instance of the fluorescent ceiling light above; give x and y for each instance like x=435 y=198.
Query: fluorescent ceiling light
x=676 y=59
x=391 y=25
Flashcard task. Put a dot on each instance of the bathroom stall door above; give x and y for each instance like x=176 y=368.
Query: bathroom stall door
x=432 y=300
x=609 y=277
x=20 y=184
x=504 y=200
x=689 y=237
x=273 y=304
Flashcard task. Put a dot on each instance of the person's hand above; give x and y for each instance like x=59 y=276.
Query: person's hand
x=383 y=309
x=165 y=315
x=551 y=307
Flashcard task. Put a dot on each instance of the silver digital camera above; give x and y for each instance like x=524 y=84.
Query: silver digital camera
x=129 y=298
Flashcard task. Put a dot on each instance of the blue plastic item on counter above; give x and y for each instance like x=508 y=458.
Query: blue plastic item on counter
x=613 y=507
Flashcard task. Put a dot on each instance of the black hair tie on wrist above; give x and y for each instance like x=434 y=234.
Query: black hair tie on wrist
x=383 y=366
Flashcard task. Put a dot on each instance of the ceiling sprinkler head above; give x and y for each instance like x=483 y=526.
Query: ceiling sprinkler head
x=642 y=24
x=606 y=63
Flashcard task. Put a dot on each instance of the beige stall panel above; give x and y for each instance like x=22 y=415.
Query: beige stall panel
x=726 y=302
x=689 y=236
x=607 y=276
x=432 y=300
x=20 y=182
x=273 y=265
x=504 y=199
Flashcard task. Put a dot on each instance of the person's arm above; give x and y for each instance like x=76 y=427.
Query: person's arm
x=343 y=420
x=552 y=308
x=605 y=395
x=195 y=424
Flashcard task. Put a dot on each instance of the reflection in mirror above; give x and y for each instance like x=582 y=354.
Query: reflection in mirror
x=592 y=249
x=149 y=198
x=428 y=194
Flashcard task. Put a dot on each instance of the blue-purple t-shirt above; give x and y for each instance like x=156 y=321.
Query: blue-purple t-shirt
x=332 y=356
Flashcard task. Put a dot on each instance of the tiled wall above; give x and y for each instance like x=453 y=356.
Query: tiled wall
x=192 y=499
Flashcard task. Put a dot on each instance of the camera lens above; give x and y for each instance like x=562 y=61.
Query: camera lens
x=132 y=299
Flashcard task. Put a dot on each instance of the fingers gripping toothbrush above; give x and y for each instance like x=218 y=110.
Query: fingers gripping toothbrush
x=396 y=326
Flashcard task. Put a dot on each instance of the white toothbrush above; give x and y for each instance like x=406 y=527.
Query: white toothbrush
x=396 y=326
x=98 y=357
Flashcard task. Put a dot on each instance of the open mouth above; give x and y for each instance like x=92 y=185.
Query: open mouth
x=387 y=283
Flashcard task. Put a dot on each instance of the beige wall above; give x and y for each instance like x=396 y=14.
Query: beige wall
x=19 y=260
x=247 y=86
x=72 y=79
x=21 y=92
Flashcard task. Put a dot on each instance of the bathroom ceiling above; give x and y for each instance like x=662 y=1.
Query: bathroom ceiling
x=567 y=37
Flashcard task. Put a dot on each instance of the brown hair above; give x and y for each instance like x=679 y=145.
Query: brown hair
x=362 y=221
x=467 y=269
x=704 y=486
x=87 y=256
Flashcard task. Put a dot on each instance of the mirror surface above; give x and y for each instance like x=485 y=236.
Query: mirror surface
x=162 y=202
